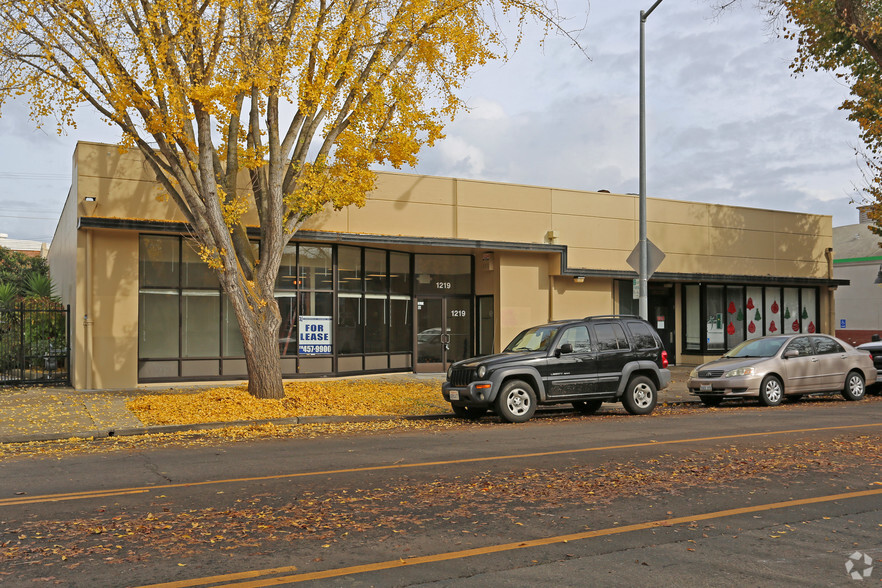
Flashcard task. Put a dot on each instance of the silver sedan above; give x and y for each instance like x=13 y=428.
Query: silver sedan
x=784 y=365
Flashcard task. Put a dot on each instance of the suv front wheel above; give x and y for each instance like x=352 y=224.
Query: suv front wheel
x=516 y=402
x=640 y=396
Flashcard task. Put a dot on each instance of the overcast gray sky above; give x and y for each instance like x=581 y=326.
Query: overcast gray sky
x=727 y=122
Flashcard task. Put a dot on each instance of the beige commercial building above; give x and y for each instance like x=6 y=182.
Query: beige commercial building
x=429 y=271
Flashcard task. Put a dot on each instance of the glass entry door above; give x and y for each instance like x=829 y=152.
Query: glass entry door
x=443 y=332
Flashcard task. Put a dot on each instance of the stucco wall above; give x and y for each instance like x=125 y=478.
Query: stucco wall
x=599 y=229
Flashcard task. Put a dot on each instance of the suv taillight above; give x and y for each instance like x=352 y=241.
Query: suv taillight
x=664 y=359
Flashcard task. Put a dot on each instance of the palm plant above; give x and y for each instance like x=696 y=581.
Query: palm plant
x=40 y=286
x=8 y=295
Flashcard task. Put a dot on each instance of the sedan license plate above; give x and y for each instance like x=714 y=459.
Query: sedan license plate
x=706 y=388
x=454 y=394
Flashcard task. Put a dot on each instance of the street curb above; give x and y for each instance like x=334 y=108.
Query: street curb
x=304 y=420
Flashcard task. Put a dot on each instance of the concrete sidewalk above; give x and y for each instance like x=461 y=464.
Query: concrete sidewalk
x=45 y=414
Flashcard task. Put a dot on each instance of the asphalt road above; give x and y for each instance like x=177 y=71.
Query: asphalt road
x=740 y=495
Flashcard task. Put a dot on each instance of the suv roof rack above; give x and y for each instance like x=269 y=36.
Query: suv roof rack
x=610 y=316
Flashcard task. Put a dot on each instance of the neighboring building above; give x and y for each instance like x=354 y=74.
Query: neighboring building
x=859 y=260
x=25 y=247
x=431 y=270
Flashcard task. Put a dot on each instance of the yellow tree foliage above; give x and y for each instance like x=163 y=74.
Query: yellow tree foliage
x=302 y=96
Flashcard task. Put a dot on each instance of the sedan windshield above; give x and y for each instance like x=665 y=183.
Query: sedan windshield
x=765 y=347
x=535 y=339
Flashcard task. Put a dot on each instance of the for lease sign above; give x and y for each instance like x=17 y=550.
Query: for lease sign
x=315 y=335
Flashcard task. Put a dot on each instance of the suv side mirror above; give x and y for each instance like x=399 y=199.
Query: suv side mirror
x=565 y=348
x=791 y=353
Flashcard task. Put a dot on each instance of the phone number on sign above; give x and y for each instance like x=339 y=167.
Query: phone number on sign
x=315 y=349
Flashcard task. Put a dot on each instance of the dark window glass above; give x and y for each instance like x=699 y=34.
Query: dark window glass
x=827 y=345
x=349 y=268
x=350 y=324
x=692 y=295
x=288 y=327
x=316 y=268
x=159 y=262
x=642 y=336
x=621 y=339
x=200 y=323
x=375 y=278
x=606 y=338
x=232 y=346
x=158 y=324
x=316 y=304
x=401 y=323
x=443 y=274
x=716 y=324
x=628 y=302
x=399 y=273
x=801 y=344
x=577 y=337
x=195 y=272
x=287 y=278
x=376 y=324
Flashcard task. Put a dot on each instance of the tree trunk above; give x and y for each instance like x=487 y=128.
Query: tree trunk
x=260 y=335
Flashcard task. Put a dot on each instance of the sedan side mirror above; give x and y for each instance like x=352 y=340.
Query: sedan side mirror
x=790 y=353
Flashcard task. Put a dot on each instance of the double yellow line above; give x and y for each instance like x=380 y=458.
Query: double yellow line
x=258 y=579
x=143 y=489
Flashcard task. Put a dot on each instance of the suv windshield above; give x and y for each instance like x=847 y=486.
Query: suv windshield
x=535 y=339
x=766 y=347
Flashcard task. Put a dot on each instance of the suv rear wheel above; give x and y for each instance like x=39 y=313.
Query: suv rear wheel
x=640 y=395
x=516 y=402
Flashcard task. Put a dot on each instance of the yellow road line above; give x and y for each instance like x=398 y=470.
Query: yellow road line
x=490 y=549
x=398 y=466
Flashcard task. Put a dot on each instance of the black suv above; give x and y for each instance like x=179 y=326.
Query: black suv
x=585 y=362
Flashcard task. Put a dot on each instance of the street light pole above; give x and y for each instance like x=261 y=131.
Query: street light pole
x=643 y=277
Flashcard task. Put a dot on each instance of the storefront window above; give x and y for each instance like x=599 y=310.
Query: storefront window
x=735 y=313
x=790 y=320
x=809 y=310
x=692 y=300
x=288 y=327
x=375 y=278
x=195 y=272
x=349 y=269
x=376 y=324
x=401 y=319
x=232 y=336
x=773 y=311
x=753 y=312
x=715 y=325
x=287 y=278
x=158 y=324
x=316 y=267
x=158 y=262
x=369 y=310
x=399 y=273
x=443 y=274
x=734 y=316
x=350 y=324
x=200 y=323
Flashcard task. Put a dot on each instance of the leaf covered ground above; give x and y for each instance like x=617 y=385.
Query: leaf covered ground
x=306 y=398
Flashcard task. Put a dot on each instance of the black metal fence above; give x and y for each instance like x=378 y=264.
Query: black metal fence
x=34 y=344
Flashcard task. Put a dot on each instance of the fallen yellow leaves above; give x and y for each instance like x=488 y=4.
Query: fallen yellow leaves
x=312 y=398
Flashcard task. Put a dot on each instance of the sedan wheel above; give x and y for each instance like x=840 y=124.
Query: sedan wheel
x=854 y=386
x=516 y=402
x=771 y=391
